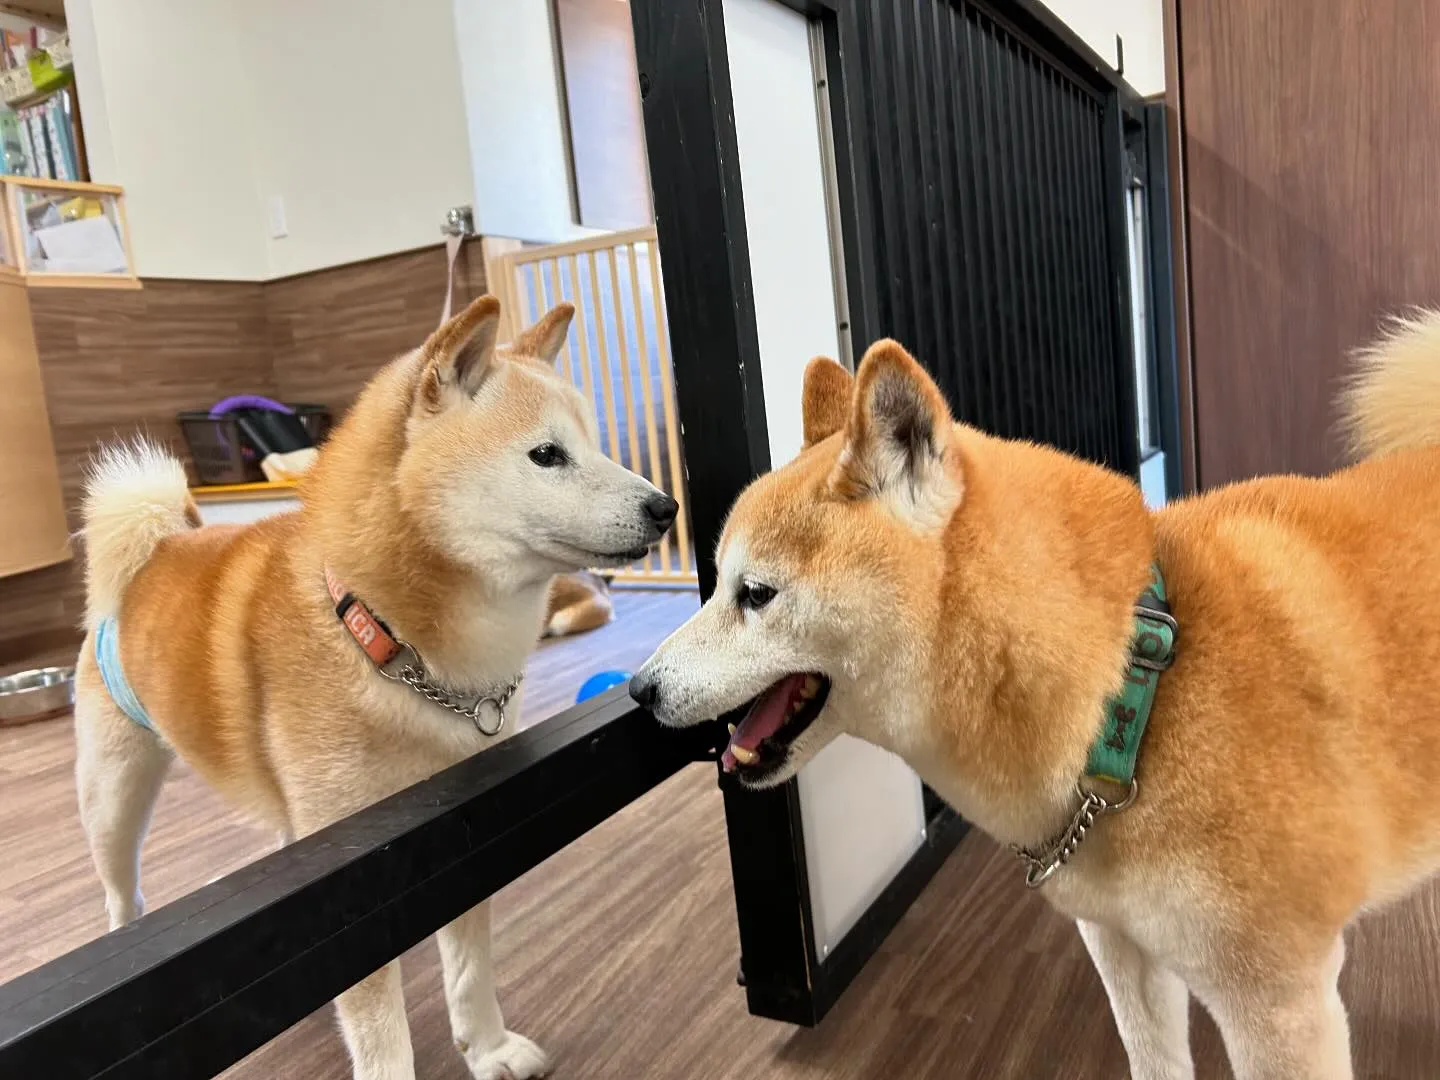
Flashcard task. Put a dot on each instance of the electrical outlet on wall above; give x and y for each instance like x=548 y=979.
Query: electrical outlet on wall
x=278 y=228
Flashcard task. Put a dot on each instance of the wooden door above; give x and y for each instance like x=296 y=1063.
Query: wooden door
x=34 y=533
x=1311 y=157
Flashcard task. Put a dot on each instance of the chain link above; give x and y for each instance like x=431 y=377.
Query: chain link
x=415 y=676
x=1043 y=861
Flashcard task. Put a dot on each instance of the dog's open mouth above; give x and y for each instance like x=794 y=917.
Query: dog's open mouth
x=761 y=742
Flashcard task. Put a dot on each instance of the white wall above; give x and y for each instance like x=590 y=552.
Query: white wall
x=351 y=111
x=860 y=807
x=166 y=116
x=508 y=68
x=1141 y=23
x=783 y=184
x=80 y=22
x=359 y=125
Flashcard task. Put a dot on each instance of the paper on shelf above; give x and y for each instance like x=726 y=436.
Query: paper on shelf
x=87 y=246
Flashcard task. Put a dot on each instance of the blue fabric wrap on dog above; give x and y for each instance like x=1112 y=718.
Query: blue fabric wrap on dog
x=107 y=657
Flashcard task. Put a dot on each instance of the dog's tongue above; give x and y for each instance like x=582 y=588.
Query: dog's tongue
x=764 y=718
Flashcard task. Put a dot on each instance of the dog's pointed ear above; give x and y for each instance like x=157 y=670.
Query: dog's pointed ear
x=898 y=440
x=460 y=354
x=546 y=338
x=825 y=399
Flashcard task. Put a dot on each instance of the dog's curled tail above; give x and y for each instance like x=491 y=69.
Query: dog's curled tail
x=135 y=496
x=1392 y=399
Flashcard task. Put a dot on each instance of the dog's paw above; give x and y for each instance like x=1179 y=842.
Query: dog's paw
x=517 y=1058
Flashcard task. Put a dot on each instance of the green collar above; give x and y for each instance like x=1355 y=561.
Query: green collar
x=1112 y=758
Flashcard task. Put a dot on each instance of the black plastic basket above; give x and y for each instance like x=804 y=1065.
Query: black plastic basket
x=221 y=453
x=316 y=419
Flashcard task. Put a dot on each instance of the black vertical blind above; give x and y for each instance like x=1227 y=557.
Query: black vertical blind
x=990 y=224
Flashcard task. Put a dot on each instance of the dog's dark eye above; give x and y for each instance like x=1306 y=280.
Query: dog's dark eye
x=754 y=595
x=548 y=455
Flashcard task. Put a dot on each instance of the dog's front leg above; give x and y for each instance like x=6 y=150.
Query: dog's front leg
x=1150 y=1003
x=377 y=1033
x=475 y=1021
x=1284 y=1024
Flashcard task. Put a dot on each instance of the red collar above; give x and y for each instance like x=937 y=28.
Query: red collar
x=383 y=647
x=368 y=631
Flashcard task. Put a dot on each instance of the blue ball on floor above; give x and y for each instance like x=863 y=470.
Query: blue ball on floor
x=599 y=683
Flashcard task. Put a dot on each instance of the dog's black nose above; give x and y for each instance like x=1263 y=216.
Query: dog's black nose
x=645 y=690
x=661 y=509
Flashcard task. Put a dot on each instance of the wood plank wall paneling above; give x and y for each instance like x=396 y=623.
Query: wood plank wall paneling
x=117 y=362
x=1310 y=162
x=331 y=330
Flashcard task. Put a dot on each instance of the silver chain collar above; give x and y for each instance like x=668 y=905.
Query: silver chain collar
x=1043 y=861
x=412 y=673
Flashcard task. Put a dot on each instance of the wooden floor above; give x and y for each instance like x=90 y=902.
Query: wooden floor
x=624 y=967
x=643 y=619
x=50 y=899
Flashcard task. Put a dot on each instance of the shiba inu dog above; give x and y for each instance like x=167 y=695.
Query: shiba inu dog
x=314 y=662
x=970 y=604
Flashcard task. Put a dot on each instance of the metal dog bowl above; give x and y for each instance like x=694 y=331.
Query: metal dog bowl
x=35 y=694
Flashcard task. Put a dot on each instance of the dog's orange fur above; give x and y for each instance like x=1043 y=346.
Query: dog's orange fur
x=1300 y=725
x=224 y=598
x=1290 y=773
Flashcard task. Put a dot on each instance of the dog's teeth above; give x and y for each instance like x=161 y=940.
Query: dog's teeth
x=744 y=755
x=731 y=727
x=812 y=685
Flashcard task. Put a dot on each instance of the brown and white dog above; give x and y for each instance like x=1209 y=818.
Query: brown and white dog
x=578 y=602
x=463 y=479
x=966 y=602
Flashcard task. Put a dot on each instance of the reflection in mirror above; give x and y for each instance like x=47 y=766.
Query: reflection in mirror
x=322 y=573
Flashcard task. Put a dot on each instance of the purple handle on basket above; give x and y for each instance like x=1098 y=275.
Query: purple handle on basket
x=248 y=401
